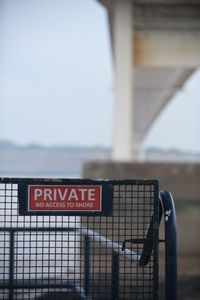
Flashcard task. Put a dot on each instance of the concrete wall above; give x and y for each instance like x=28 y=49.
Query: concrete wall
x=183 y=181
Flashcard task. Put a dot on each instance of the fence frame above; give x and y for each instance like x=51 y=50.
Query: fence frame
x=166 y=211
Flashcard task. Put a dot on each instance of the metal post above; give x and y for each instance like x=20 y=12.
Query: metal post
x=87 y=265
x=170 y=245
x=115 y=275
x=11 y=267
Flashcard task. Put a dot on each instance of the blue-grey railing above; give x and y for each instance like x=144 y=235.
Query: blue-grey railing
x=167 y=210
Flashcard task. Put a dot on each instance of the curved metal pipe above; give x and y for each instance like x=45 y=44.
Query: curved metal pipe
x=170 y=245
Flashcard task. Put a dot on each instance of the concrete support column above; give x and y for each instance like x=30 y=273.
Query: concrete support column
x=138 y=150
x=122 y=28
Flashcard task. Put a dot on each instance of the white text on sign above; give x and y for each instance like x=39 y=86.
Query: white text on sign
x=64 y=197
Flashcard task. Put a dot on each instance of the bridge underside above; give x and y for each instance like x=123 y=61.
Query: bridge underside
x=156 y=47
x=153 y=89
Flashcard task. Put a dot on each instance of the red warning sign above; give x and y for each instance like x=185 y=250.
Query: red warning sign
x=64 y=198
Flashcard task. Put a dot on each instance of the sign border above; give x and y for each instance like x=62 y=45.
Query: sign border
x=106 y=196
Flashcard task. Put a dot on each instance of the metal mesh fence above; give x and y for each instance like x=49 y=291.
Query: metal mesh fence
x=80 y=257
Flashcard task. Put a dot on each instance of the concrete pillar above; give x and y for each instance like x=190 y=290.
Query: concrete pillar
x=122 y=28
x=138 y=149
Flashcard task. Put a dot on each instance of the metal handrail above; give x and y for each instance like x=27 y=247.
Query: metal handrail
x=116 y=247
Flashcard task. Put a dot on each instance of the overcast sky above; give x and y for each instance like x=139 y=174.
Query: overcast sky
x=56 y=79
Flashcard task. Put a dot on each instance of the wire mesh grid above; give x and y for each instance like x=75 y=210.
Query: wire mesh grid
x=61 y=257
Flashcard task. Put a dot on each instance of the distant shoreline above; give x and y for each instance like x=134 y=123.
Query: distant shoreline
x=68 y=161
